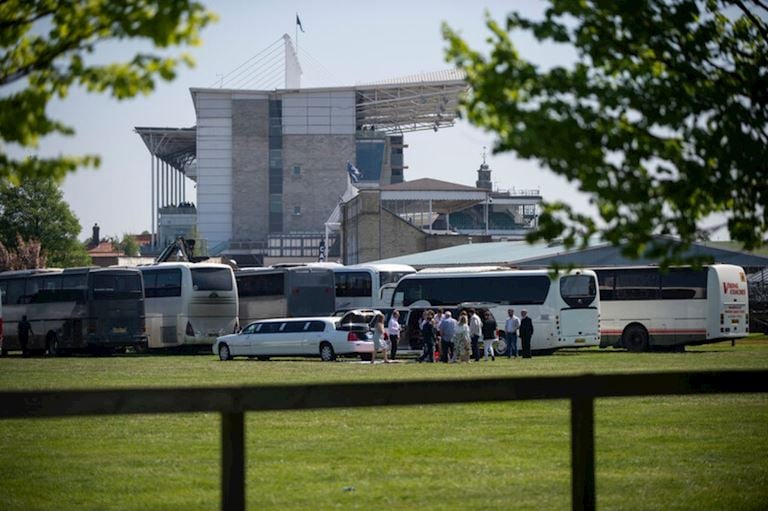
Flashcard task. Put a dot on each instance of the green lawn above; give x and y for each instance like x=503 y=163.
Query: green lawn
x=700 y=452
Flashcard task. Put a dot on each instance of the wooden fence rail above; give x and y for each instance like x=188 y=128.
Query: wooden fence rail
x=233 y=402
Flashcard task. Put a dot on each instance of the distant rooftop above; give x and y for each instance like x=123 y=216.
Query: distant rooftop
x=521 y=254
x=445 y=75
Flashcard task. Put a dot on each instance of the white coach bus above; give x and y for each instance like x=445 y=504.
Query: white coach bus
x=644 y=308
x=564 y=310
x=189 y=304
x=367 y=286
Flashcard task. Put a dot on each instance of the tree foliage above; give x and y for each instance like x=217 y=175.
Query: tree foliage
x=127 y=245
x=35 y=211
x=45 y=49
x=23 y=257
x=662 y=119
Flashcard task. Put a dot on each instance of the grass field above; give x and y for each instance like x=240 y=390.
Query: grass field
x=701 y=452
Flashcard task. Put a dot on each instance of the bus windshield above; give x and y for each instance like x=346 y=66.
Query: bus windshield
x=391 y=277
x=111 y=286
x=212 y=279
x=578 y=290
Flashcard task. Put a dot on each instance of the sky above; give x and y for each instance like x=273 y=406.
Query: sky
x=344 y=43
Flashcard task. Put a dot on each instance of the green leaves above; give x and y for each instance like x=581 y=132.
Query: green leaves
x=45 y=49
x=662 y=120
x=35 y=212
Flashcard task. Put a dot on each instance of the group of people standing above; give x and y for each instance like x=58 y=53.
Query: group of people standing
x=457 y=341
x=449 y=340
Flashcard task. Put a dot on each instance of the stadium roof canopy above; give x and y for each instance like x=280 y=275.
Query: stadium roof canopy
x=175 y=146
x=400 y=105
x=411 y=103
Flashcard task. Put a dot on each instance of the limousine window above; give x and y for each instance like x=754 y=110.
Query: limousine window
x=269 y=328
x=294 y=326
x=252 y=328
x=316 y=326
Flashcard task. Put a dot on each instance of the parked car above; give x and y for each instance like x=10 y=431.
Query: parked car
x=326 y=337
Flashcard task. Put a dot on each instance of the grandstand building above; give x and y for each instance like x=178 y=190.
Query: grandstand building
x=271 y=167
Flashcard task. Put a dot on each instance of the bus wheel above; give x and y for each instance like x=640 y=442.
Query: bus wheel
x=635 y=339
x=326 y=352
x=224 y=353
x=52 y=348
x=500 y=347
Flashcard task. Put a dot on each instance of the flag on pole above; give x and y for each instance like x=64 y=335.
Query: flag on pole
x=354 y=174
x=298 y=22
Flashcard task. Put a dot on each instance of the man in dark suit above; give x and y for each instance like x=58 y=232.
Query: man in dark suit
x=24 y=329
x=526 y=332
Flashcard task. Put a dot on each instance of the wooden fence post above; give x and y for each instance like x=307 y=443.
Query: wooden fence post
x=583 y=453
x=233 y=461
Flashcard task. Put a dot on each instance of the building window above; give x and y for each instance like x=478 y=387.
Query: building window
x=296 y=171
x=296 y=210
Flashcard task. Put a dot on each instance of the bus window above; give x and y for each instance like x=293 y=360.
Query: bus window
x=162 y=283
x=578 y=290
x=49 y=289
x=606 y=281
x=111 y=286
x=640 y=284
x=271 y=284
x=30 y=292
x=211 y=279
x=684 y=284
x=529 y=289
x=353 y=284
x=73 y=287
x=15 y=292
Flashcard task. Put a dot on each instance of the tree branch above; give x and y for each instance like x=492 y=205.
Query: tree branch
x=760 y=4
x=46 y=59
x=21 y=21
x=756 y=21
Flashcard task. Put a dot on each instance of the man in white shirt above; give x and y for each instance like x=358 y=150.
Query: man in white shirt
x=393 y=329
x=510 y=333
x=475 y=331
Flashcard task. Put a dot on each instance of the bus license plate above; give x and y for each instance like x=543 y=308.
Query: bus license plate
x=119 y=330
x=580 y=340
x=735 y=321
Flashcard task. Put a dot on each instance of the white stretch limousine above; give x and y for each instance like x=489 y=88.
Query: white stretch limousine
x=326 y=337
